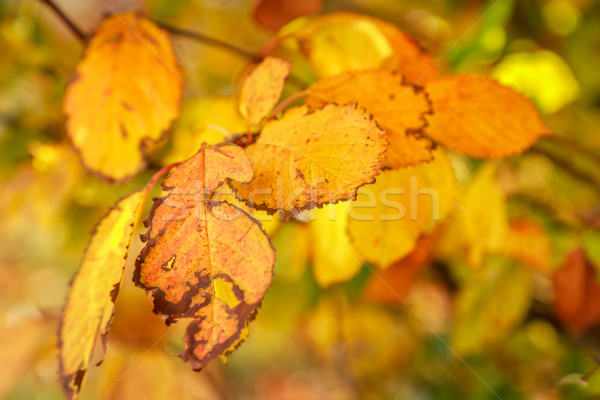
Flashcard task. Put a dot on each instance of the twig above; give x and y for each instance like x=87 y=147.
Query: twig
x=208 y=40
x=66 y=20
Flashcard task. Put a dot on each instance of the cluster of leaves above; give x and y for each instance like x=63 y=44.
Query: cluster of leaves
x=360 y=169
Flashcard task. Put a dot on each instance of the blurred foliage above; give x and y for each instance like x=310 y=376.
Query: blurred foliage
x=474 y=318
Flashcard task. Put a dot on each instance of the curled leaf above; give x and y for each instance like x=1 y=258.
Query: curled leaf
x=306 y=159
x=124 y=95
x=481 y=118
x=398 y=107
x=262 y=88
x=91 y=301
x=205 y=260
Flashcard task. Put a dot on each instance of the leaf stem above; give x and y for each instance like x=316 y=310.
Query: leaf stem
x=159 y=174
x=286 y=102
x=200 y=37
x=66 y=20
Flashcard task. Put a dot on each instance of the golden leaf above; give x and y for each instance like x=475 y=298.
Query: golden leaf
x=388 y=217
x=307 y=159
x=205 y=260
x=340 y=42
x=262 y=88
x=399 y=109
x=481 y=118
x=332 y=260
x=91 y=301
x=124 y=96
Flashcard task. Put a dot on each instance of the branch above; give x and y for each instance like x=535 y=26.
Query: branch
x=208 y=40
x=66 y=20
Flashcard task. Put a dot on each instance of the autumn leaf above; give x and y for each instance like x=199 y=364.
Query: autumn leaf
x=306 y=159
x=480 y=319
x=205 y=260
x=123 y=97
x=399 y=108
x=529 y=243
x=91 y=301
x=577 y=292
x=481 y=118
x=341 y=42
x=273 y=14
x=388 y=217
x=480 y=224
x=392 y=285
x=262 y=88
x=332 y=259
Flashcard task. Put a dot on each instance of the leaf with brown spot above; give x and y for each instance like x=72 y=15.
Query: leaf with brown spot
x=124 y=96
x=577 y=292
x=205 y=260
x=90 y=304
x=306 y=159
x=481 y=118
x=399 y=109
x=262 y=88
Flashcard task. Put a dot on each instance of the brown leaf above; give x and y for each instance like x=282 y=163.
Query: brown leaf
x=577 y=292
x=274 y=14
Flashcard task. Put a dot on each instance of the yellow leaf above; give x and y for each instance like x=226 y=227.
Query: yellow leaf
x=340 y=42
x=388 y=217
x=399 y=109
x=90 y=304
x=124 y=96
x=480 y=224
x=332 y=260
x=307 y=159
x=293 y=249
x=205 y=260
x=262 y=88
x=209 y=120
x=481 y=118
x=480 y=320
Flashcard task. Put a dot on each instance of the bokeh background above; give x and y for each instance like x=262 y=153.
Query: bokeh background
x=350 y=340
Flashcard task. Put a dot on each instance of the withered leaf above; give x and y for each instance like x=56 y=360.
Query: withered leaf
x=205 y=260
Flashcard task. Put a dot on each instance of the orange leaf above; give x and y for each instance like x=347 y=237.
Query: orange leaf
x=307 y=159
x=529 y=243
x=481 y=118
x=392 y=285
x=262 y=88
x=273 y=14
x=91 y=301
x=399 y=109
x=124 y=95
x=205 y=260
x=577 y=292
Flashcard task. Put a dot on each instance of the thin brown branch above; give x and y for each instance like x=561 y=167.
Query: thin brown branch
x=66 y=20
x=200 y=37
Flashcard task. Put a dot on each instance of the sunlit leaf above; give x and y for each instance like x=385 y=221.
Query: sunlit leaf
x=577 y=292
x=340 y=42
x=480 y=320
x=481 y=118
x=262 y=88
x=388 y=217
x=90 y=305
x=307 y=159
x=399 y=108
x=332 y=259
x=205 y=260
x=529 y=243
x=123 y=97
